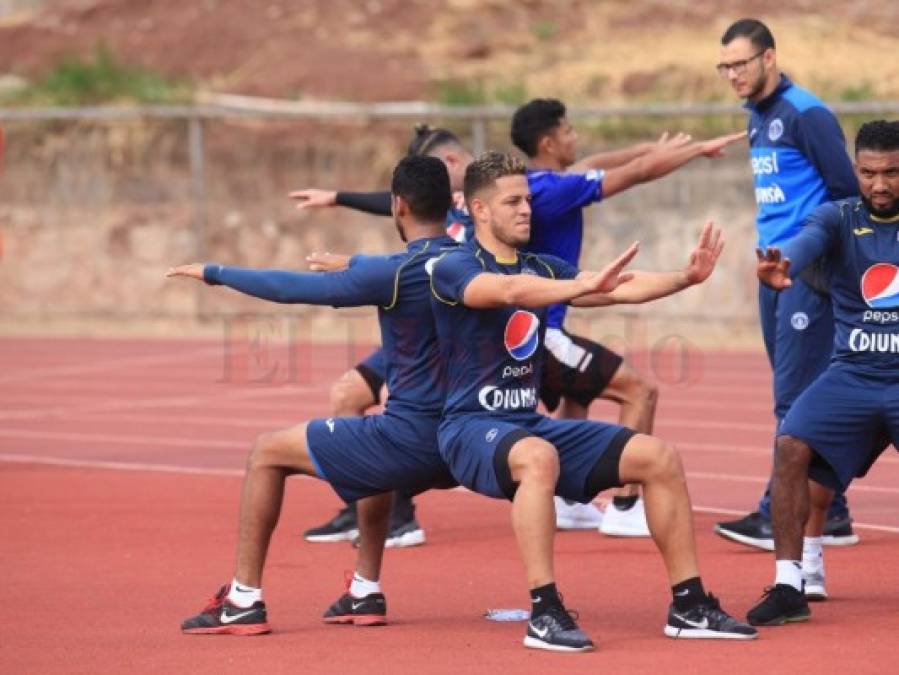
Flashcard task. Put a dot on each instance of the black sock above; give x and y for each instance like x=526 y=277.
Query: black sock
x=687 y=594
x=544 y=597
x=624 y=503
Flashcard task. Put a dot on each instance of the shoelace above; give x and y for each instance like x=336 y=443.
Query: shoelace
x=217 y=600
x=566 y=618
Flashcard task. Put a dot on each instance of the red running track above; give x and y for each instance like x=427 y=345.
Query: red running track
x=119 y=483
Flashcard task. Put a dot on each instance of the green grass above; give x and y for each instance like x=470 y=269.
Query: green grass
x=101 y=78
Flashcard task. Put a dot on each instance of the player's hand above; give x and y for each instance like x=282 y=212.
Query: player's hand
x=773 y=269
x=668 y=142
x=313 y=198
x=715 y=147
x=704 y=257
x=194 y=271
x=611 y=276
x=327 y=262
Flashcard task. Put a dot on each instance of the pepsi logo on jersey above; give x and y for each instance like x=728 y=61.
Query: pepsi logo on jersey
x=522 y=335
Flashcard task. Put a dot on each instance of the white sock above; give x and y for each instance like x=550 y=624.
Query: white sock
x=243 y=596
x=360 y=586
x=812 y=554
x=789 y=572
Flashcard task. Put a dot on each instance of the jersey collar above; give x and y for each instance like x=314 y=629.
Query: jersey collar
x=784 y=84
x=498 y=261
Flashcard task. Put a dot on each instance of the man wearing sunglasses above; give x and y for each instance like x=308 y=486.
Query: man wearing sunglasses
x=799 y=160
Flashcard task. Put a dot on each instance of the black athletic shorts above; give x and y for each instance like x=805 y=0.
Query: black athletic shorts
x=575 y=368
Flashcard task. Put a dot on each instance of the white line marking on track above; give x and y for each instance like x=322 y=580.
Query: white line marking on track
x=237 y=473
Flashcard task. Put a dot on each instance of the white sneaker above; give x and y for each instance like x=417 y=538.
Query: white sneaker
x=815 y=590
x=629 y=523
x=575 y=516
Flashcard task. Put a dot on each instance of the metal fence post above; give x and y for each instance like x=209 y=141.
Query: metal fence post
x=479 y=135
x=198 y=196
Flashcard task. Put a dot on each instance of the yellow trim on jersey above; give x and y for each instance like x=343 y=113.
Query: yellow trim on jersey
x=396 y=278
x=894 y=219
x=552 y=274
x=859 y=231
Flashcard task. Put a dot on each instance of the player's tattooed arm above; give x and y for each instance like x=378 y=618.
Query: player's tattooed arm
x=648 y=286
x=614 y=158
x=527 y=290
x=666 y=157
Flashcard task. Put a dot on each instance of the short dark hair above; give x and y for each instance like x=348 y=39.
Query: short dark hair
x=423 y=182
x=486 y=169
x=426 y=139
x=533 y=121
x=879 y=135
x=752 y=29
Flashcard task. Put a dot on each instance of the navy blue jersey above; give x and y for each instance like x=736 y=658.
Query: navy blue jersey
x=492 y=357
x=397 y=284
x=799 y=160
x=862 y=258
x=557 y=220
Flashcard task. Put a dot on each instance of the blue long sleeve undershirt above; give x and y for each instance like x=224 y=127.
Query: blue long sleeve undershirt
x=368 y=281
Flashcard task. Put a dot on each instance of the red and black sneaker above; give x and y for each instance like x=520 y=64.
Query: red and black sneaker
x=370 y=610
x=221 y=616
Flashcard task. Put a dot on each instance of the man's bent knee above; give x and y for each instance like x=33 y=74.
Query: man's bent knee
x=792 y=453
x=628 y=386
x=534 y=459
x=647 y=458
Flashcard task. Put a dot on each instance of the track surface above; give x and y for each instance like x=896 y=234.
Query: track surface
x=120 y=468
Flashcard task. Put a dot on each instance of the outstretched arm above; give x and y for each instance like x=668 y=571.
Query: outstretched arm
x=776 y=268
x=377 y=203
x=364 y=284
x=648 y=286
x=614 y=158
x=527 y=290
x=666 y=157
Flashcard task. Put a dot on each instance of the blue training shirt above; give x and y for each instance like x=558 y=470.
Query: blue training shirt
x=557 y=219
x=398 y=285
x=862 y=255
x=492 y=357
x=798 y=157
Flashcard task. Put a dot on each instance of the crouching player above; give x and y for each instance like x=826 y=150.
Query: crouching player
x=490 y=301
x=839 y=426
x=363 y=458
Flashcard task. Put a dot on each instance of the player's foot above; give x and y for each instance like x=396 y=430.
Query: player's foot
x=368 y=611
x=780 y=604
x=753 y=530
x=402 y=535
x=838 y=532
x=813 y=583
x=342 y=527
x=221 y=616
x=576 y=516
x=556 y=630
x=707 y=622
x=617 y=522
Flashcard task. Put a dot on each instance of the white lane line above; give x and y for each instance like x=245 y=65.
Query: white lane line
x=124 y=440
x=119 y=466
x=237 y=473
x=110 y=364
x=732 y=478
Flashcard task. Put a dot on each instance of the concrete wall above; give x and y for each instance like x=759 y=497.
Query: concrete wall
x=91 y=215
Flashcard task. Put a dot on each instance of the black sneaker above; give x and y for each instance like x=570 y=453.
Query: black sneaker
x=368 y=611
x=556 y=630
x=402 y=535
x=752 y=530
x=342 y=527
x=838 y=532
x=780 y=604
x=222 y=617
x=707 y=622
